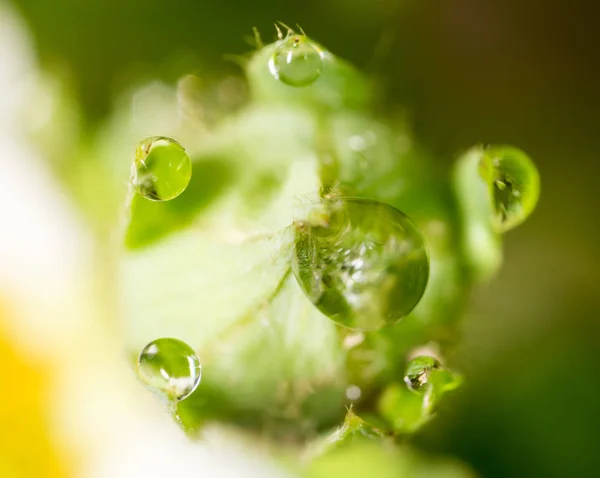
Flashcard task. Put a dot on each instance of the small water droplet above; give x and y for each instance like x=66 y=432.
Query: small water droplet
x=514 y=185
x=364 y=264
x=170 y=368
x=161 y=169
x=353 y=392
x=297 y=61
x=418 y=370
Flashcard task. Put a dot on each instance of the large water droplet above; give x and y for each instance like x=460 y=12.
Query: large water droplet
x=363 y=263
x=418 y=370
x=170 y=368
x=513 y=182
x=297 y=61
x=161 y=169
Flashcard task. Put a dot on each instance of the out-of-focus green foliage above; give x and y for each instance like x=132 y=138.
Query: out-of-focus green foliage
x=497 y=188
x=481 y=243
x=356 y=449
x=405 y=411
x=364 y=458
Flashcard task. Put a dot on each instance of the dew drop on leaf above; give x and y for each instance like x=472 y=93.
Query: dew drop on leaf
x=161 y=169
x=353 y=392
x=170 y=368
x=363 y=264
x=418 y=371
x=297 y=61
x=514 y=185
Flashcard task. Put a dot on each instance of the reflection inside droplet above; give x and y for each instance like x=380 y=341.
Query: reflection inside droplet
x=363 y=263
x=170 y=368
x=161 y=169
x=417 y=372
x=514 y=185
x=297 y=61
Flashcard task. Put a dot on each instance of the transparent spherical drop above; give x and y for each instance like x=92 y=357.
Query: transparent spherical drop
x=170 y=368
x=297 y=61
x=418 y=371
x=362 y=263
x=514 y=185
x=161 y=169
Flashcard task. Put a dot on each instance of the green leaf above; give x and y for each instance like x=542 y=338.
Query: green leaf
x=357 y=461
x=405 y=411
x=481 y=244
x=150 y=220
x=280 y=361
x=360 y=459
x=444 y=380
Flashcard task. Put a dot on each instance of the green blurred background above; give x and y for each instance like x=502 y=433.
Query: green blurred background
x=467 y=71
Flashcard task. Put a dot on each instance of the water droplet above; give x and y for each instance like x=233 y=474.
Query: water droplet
x=161 y=170
x=170 y=368
x=353 y=392
x=418 y=370
x=297 y=61
x=514 y=185
x=362 y=263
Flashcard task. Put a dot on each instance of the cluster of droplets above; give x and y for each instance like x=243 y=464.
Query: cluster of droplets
x=169 y=368
x=161 y=169
x=297 y=61
x=362 y=263
x=514 y=185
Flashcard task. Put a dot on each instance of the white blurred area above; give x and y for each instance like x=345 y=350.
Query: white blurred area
x=44 y=250
x=102 y=421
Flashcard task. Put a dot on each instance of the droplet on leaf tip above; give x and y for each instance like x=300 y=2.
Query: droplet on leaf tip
x=417 y=372
x=297 y=61
x=514 y=185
